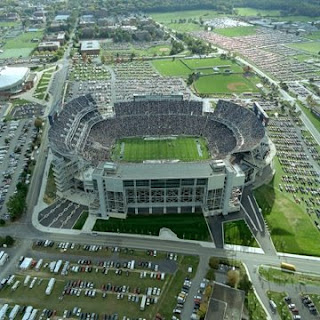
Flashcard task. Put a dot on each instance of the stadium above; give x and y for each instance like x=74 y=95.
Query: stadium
x=158 y=154
x=13 y=80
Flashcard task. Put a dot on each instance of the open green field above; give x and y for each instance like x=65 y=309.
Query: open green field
x=20 y=46
x=8 y=24
x=292 y=230
x=312 y=47
x=184 y=67
x=182 y=148
x=236 y=31
x=185 y=27
x=314 y=35
x=187 y=226
x=282 y=307
x=171 y=17
x=225 y=83
x=237 y=232
x=256 y=12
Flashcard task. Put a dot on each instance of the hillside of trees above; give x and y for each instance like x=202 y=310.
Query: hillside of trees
x=288 y=7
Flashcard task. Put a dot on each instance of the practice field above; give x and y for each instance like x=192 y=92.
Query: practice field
x=226 y=83
x=184 y=67
x=236 y=31
x=256 y=12
x=312 y=47
x=181 y=148
x=21 y=46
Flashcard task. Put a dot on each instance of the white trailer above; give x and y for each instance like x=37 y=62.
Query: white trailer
x=14 y=312
x=143 y=302
x=33 y=282
x=38 y=265
x=4 y=259
x=33 y=314
x=11 y=279
x=52 y=265
x=15 y=286
x=50 y=286
x=57 y=267
x=3 y=311
x=132 y=264
x=65 y=268
x=26 y=280
x=27 y=313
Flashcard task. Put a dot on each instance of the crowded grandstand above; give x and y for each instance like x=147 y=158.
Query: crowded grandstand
x=82 y=140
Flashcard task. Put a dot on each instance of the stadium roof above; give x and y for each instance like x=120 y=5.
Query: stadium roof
x=165 y=170
x=90 y=45
x=12 y=76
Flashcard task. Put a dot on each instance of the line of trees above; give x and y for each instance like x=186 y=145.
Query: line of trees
x=293 y=7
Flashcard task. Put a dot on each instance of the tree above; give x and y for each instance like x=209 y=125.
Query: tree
x=38 y=123
x=233 y=277
x=9 y=241
x=214 y=262
x=211 y=275
x=245 y=284
x=2 y=222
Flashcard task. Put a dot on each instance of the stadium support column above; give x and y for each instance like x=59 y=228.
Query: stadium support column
x=227 y=189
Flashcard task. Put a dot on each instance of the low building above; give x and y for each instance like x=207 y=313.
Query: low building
x=13 y=80
x=91 y=47
x=49 y=46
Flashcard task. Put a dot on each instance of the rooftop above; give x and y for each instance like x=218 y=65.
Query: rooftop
x=11 y=76
x=90 y=45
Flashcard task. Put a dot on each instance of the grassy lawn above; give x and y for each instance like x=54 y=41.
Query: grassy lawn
x=188 y=226
x=168 y=300
x=236 y=31
x=279 y=276
x=282 y=307
x=316 y=300
x=184 y=67
x=185 y=27
x=19 y=102
x=182 y=148
x=171 y=68
x=237 y=232
x=81 y=221
x=255 y=309
x=5 y=24
x=21 y=45
x=255 y=12
x=171 y=17
x=315 y=121
x=291 y=228
x=312 y=47
x=314 y=35
x=225 y=83
x=50 y=192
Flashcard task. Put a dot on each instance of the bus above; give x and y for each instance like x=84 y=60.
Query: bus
x=288 y=266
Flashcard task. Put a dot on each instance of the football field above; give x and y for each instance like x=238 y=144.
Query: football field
x=164 y=148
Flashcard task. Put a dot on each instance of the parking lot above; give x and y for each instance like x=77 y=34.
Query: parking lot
x=15 y=152
x=62 y=214
x=93 y=281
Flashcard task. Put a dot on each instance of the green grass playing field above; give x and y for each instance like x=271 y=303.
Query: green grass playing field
x=312 y=47
x=181 y=148
x=236 y=31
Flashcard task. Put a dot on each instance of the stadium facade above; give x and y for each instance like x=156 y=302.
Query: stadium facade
x=81 y=140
